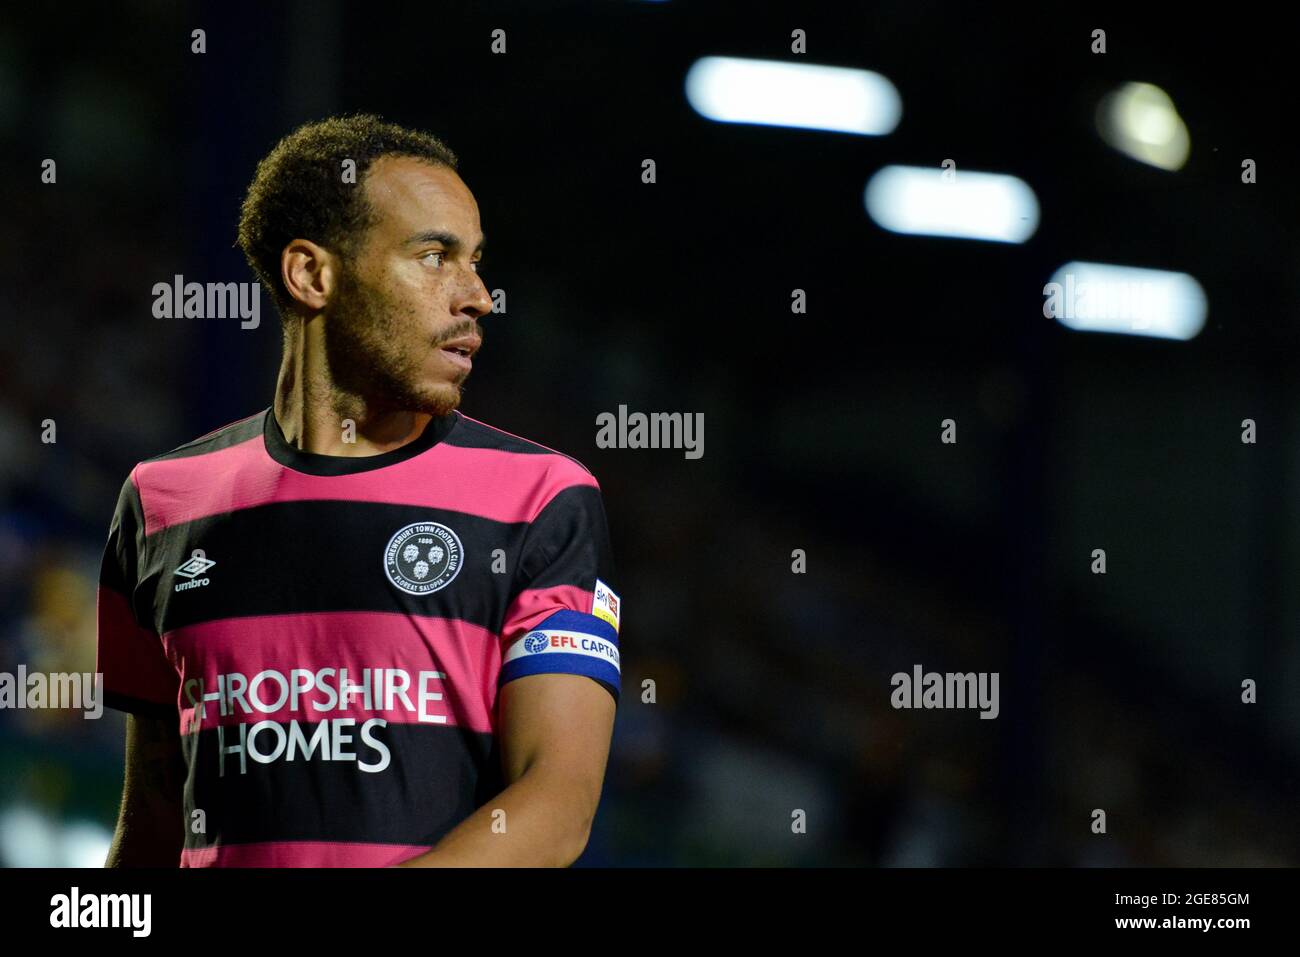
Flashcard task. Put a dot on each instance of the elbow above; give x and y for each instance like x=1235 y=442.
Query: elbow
x=577 y=833
x=576 y=842
x=584 y=835
x=572 y=802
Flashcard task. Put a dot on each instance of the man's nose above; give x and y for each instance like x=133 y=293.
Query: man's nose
x=477 y=300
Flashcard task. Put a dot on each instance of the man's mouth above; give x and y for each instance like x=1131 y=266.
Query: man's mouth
x=461 y=351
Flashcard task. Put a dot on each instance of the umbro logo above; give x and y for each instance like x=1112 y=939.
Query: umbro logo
x=196 y=565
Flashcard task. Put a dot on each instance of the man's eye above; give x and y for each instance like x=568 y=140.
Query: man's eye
x=475 y=264
x=438 y=254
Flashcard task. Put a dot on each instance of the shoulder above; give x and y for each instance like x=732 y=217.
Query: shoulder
x=165 y=480
x=560 y=468
x=233 y=433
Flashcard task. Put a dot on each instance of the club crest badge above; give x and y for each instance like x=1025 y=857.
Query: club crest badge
x=423 y=558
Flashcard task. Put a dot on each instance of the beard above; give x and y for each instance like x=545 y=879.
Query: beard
x=376 y=351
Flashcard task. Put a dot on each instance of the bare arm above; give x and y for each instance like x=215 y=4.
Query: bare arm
x=555 y=736
x=151 y=827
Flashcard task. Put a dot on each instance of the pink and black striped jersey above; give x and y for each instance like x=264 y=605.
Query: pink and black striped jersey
x=330 y=633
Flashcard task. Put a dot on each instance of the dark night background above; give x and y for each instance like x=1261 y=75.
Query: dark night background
x=1119 y=691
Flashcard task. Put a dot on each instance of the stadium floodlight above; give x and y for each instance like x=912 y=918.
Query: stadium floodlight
x=1140 y=120
x=1096 y=297
x=930 y=201
x=806 y=96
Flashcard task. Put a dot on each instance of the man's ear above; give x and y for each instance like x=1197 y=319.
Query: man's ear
x=309 y=273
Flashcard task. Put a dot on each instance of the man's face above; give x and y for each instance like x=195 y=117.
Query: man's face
x=409 y=299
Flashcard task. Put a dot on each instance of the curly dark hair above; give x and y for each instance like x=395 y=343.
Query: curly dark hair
x=298 y=191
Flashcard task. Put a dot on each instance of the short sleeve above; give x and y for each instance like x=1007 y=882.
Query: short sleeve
x=138 y=677
x=564 y=614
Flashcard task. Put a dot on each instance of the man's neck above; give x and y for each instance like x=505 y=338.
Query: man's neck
x=314 y=413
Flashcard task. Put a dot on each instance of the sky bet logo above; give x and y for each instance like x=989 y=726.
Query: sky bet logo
x=604 y=604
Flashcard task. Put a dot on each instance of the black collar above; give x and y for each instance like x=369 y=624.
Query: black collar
x=278 y=447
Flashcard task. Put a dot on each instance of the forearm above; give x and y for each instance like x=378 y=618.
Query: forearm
x=142 y=840
x=541 y=820
x=150 y=826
